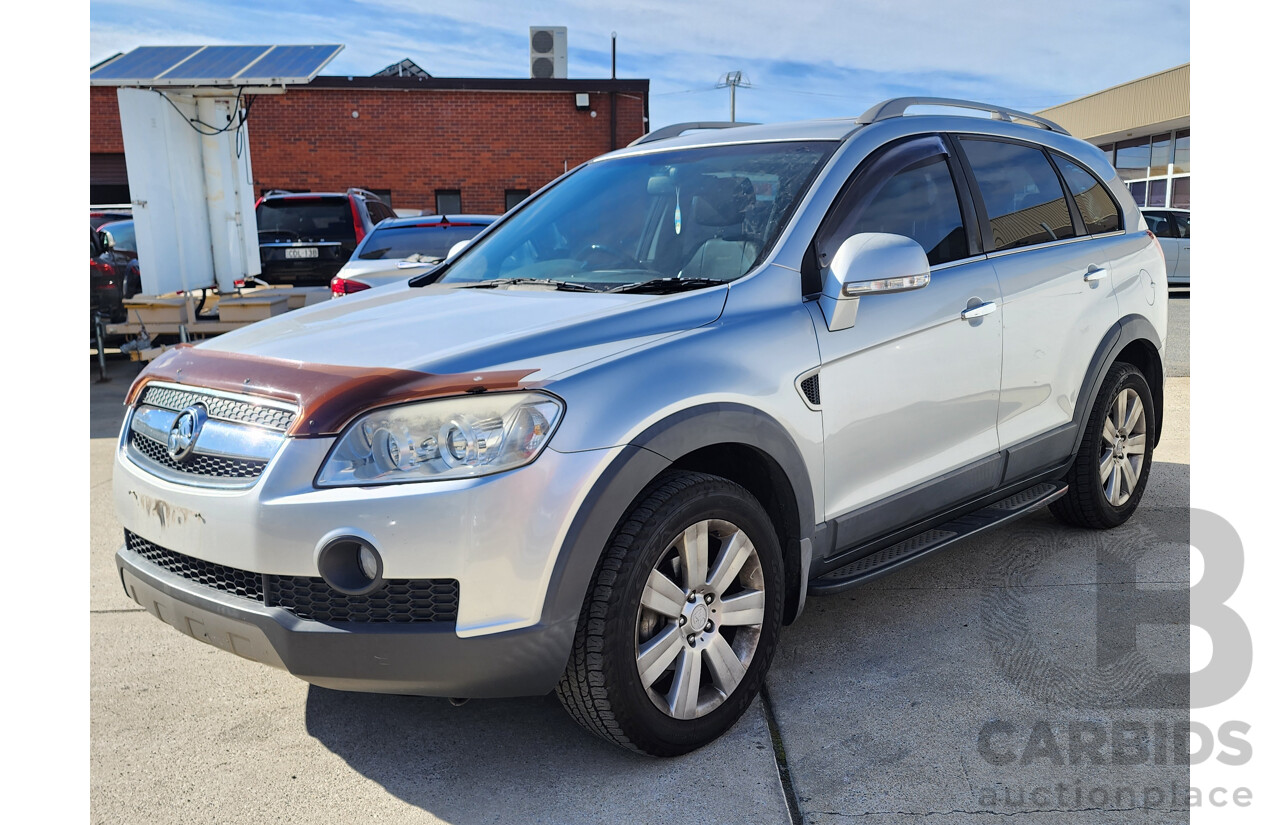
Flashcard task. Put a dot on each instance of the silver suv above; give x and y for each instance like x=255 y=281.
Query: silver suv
x=611 y=447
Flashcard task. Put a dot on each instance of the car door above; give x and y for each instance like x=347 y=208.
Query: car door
x=1163 y=227
x=1056 y=286
x=1182 y=230
x=910 y=391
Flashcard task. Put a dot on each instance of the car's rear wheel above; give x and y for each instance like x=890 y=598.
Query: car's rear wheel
x=681 y=618
x=1110 y=471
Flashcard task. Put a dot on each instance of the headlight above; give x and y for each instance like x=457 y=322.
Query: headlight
x=473 y=435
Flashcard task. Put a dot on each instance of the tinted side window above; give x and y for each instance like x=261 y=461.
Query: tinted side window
x=1098 y=210
x=1025 y=203
x=1181 y=224
x=1159 y=223
x=918 y=201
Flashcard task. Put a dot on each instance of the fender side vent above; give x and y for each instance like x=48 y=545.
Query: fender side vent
x=809 y=387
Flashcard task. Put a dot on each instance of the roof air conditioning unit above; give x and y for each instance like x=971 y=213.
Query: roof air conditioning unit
x=548 y=51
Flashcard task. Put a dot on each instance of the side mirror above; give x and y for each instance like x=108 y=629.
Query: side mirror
x=870 y=263
x=108 y=242
x=456 y=248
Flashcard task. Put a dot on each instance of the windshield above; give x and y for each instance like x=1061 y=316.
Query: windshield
x=122 y=235
x=432 y=240
x=698 y=215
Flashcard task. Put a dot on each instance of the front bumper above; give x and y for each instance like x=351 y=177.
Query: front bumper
x=498 y=536
x=387 y=658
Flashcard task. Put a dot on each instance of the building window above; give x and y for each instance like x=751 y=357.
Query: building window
x=1156 y=190
x=1155 y=168
x=1182 y=152
x=1181 y=193
x=1159 y=156
x=514 y=196
x=1133 y=158
x=448 y=201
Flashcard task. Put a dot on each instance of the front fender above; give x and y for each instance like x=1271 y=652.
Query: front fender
x=657 y=448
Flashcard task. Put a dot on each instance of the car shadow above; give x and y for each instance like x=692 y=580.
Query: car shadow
x=524 y=760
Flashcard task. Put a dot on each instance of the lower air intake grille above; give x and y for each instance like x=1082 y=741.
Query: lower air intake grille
x=407 y=600
x=399 y=601
x=217 y=576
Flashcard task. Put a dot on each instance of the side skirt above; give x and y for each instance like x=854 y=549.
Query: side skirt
x=935 y=538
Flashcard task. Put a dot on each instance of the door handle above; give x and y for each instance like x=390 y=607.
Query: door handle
x=978 y=310
x=1095 y=273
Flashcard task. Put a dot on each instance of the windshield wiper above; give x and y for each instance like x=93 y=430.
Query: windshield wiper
x=566 y=286
x=660 y=285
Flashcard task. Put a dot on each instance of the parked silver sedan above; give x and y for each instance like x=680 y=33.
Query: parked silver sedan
x=400 y=248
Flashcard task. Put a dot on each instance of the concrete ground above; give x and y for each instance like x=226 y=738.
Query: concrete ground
x=994 y=682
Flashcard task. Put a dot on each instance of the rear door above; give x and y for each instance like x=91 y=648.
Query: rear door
x=1056 y=286
x=1163 y=227
x=910 y=392
x=1182 y=231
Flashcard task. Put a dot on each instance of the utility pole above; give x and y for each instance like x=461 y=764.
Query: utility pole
x=733 y=80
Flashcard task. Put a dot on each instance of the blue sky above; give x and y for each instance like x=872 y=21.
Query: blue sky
x=817 y=58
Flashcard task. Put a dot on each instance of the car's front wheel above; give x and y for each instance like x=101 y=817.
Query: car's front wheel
x=681 y=618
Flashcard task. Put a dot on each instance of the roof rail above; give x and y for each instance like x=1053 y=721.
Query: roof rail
x=364 y=193
x=897 y=107
x=676 y=129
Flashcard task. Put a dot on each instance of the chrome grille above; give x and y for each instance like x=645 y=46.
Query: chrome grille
x=398 y=601
x=238 y=437
x=210 y=466
x=244 y=411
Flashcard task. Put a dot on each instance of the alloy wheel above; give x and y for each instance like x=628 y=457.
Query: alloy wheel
x=700 y=619
x=1123 y=447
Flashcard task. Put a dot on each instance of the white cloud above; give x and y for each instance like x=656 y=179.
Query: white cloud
x=1026 y=54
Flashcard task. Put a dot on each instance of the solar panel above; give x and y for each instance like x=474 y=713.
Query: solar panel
x=293 y=61
x=148 y=61
x=216 y=62
x=194 y=66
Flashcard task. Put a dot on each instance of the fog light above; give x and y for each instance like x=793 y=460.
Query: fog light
x=368 y=562
x=350 y=565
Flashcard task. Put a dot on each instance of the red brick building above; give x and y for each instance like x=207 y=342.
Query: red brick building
x=467 y=144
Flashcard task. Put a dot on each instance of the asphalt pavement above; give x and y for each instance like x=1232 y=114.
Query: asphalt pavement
x=997 y=681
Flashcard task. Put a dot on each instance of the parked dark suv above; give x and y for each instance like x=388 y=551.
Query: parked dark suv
x=305 y=238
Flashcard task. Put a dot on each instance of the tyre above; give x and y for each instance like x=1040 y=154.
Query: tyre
x=1111 y=469
x=681 y=618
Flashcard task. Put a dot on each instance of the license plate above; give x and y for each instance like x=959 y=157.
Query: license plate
x=302 y=252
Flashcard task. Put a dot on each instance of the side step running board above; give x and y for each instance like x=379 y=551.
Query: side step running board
x=922 y=544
